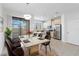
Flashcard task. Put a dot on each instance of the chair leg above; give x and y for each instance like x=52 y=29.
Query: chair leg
x=40 y=46
x=46 y=50
x=49 y=47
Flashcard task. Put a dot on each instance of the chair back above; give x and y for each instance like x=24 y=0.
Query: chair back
x=48 y=35
x=14 y=48
x=35 y=34
x=9 y=47
x=40 y=35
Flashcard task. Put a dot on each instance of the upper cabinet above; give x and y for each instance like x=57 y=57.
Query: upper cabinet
x=56 y=20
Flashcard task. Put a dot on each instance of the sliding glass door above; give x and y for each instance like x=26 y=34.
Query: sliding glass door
x=24 y=27
x=20 y=27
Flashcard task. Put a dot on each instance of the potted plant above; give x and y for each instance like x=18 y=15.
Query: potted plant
x=8 y=33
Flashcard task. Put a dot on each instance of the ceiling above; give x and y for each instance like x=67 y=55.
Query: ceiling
x=42 y=9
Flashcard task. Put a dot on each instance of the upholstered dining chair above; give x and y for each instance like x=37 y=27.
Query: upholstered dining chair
x=35 y=34
x=48 y=37
x=14 y=48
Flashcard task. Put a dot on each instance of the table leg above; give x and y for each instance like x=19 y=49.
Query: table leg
x=46 y=50
x=29 y=50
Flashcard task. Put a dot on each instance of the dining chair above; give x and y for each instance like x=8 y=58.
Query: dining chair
x=48 y=37
x=14 y=48
x=35 y=34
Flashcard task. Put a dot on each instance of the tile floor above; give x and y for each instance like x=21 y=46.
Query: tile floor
x=59 y=48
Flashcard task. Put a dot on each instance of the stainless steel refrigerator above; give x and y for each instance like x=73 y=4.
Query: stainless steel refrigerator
x=57 y=31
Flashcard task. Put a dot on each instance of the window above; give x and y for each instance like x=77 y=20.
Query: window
x=20 y=26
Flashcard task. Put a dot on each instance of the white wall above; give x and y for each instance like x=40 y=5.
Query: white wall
x=1 y=33
x=71 y=20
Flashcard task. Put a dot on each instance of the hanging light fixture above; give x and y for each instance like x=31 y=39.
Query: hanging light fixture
x=27 y=16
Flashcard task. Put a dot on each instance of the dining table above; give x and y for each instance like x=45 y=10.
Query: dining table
x=32 y=43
